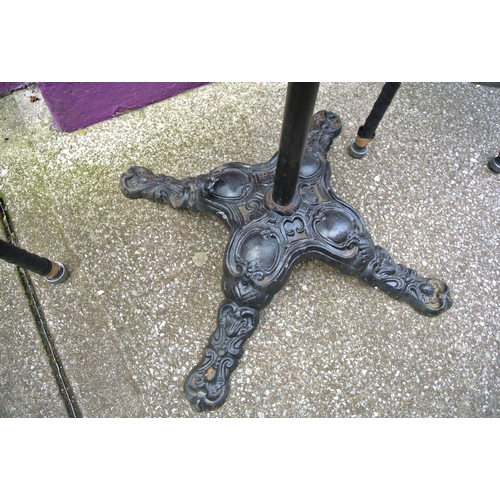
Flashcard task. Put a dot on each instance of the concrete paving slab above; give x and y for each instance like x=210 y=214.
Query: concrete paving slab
x=145 y=287
x=77 y=322
x=27 y=384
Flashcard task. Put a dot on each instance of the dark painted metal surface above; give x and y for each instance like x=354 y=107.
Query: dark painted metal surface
x=299 y=108
x=366 y=133
x=23 y=258
x=54 y=272
x=268 y=239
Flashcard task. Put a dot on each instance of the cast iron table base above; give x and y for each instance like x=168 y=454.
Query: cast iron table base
x=267 y=240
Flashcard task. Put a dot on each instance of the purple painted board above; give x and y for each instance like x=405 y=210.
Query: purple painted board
x=78 y=105
x=9 y=87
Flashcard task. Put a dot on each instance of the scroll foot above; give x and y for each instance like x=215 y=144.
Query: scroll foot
x=140 y=182
x=428 y=296
x=207 y=385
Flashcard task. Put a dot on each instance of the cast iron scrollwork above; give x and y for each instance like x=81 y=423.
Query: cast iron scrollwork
x=267 y=241
x=207 y=384
x=430 y=297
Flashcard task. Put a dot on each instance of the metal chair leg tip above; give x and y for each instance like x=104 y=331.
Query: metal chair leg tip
x=494 y=164
x=356 y=152
x=61 y=276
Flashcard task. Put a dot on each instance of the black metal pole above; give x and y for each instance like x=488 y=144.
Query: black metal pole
x=366 y=132
x=53 y=272
x=299 y=108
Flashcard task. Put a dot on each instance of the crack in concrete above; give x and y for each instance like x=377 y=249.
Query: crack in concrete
x=56 y=365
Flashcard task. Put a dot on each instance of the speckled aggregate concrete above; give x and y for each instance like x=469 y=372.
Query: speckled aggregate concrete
x=27 y=386
x=142 y=298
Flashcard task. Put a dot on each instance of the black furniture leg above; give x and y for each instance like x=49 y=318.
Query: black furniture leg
x=299 y=108
x=53 y=272
x=494 y=164
x=278 y=213
x=366 y=133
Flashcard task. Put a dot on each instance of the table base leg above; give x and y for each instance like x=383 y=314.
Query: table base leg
x=267 y=240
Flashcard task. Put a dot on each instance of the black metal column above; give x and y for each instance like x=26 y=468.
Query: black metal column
x=299 y=108
x=366 y=133
x=53 y=272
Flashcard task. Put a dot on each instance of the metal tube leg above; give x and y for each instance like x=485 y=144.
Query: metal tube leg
x=299 y=108
x=53 y=272
x=366 y=133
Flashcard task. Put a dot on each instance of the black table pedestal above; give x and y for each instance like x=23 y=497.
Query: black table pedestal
x=267 y=239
